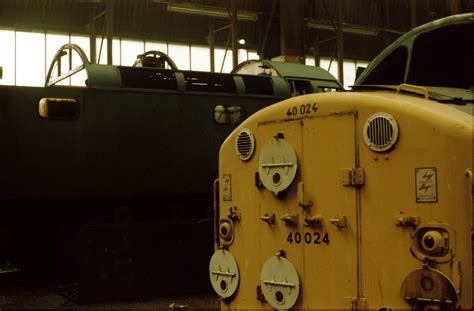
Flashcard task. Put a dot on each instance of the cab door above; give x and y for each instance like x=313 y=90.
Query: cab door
x=329 y=212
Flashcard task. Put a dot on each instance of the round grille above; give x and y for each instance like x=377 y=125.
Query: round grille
x=380 y=132
x=245 y=144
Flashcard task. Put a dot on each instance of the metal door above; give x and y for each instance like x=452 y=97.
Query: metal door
x=328 y=195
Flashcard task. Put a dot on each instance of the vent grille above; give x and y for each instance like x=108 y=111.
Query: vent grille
x=245 y=144
x=381 y=132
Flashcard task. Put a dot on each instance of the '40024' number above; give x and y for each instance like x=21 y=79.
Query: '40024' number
x=308 y=238
x=302 y=110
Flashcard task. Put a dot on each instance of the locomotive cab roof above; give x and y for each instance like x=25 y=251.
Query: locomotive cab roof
x=156 y=70
x=436 y=56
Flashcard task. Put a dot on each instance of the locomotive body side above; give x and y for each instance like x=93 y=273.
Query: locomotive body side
x=350 y=200
x=100 y=179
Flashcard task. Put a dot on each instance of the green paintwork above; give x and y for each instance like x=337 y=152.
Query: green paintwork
x=408 y=39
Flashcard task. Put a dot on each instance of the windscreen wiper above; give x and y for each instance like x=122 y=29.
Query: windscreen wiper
x=456 y=101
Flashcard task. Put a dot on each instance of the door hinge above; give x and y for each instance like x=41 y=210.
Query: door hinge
x=352 y=177
x=358 y=303
x=301 y=202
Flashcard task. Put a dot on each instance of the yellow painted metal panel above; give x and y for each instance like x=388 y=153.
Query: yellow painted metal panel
x=330 y=267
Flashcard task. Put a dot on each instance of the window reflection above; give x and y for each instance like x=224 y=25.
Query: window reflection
x=229 y=114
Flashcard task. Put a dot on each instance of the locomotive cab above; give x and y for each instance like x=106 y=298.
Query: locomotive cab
x=354 y=200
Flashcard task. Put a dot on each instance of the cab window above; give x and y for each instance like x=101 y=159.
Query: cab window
x=391 y=69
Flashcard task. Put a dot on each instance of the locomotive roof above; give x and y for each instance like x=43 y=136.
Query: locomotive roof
x=288 y=70
x=408 y=39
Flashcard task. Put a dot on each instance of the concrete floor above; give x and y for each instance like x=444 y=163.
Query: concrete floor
x=47 y=296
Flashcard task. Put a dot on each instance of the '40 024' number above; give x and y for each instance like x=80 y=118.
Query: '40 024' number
x=302 y=110
x=308 y=238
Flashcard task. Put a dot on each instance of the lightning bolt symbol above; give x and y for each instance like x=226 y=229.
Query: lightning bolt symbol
x=426 y=182
x=427 y=176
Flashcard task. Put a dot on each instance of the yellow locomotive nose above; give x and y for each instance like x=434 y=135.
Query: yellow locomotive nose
x=429 y=289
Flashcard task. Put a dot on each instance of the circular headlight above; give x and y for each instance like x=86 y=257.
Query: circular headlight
x=433 y=242
x=225 y=231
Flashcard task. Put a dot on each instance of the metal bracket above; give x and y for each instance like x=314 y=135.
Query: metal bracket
x=290 y=219
x=408 y=221
x=234 y=214
x=279 y=135
x=258 y=181
x=353 y=176
x=224 y=273
x=260 y=296
x=469 y=176
x=313 y=220
x=339 y=221
x=281 y=252
x=358 y=303
x=301 y=202
x=268 y=218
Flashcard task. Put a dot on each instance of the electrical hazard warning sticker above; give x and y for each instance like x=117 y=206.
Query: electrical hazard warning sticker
x=426 y=185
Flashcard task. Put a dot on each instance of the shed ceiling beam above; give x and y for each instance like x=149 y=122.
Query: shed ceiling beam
x=267 y=28
x=340 y=41
x=292 y=30
x=235 y=31
x=210 y=11
x=350 y=28
x=109 y=22
x=413 y=13
x=454 y=7
x=92 y=42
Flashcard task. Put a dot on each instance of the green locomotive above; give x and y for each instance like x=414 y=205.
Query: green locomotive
x=115 y=177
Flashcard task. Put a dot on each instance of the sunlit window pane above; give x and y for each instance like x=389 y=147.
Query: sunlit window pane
x=362 y=63
x=200 y=58
x=349 y=73
x=218 y=60
x=242 y=55
x=79 y=78
x=30 y=62
x=103 y=54
x=53 y=43
x=101 y=51
x=309 y=60
x=84 y=43
x=130 y=50
x=180 y=55
x=253 y=55
x=156 y=46
x=330 y=66
x=7 y=56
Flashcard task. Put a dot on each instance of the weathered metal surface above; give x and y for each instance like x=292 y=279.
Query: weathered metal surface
x=396 y=231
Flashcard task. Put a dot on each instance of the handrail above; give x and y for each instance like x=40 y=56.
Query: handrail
x=407 y=86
